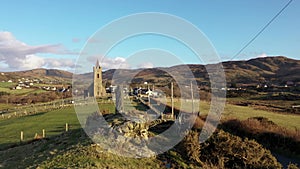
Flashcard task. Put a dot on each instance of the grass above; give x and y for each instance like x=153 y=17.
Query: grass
x=23 y=91
x=69 y=150
x=47 y=85
x=290 y=121
x=53 y=122
x=5 y=106
x=6 y=87
x=94 y=157
x=7 y=84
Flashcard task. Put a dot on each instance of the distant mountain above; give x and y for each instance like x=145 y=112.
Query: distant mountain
x=276 y=70
x=43 y=74
x=270 y=70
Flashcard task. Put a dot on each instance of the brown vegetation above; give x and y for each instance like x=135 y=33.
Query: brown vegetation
x=189 y=147
x=34 y=98
x=267 y=133
x=228 y=151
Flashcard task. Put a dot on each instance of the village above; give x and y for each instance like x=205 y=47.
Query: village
x=26 y=83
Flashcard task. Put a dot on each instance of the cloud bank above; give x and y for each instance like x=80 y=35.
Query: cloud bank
x=17 y=55
x=118 y=63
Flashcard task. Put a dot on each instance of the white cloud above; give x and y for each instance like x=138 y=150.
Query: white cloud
x=114 y=63
x=31 y=61
x=118 y=63
x=110 y=63
x=262 y=55
x=145 y=65
x=59 y=63
x=17 y=55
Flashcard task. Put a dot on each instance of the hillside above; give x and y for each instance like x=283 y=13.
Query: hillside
x=43 y=74
x=75 y=150
x=276 y=70
x=269 y=70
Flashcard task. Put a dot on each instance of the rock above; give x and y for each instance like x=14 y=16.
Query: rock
x=130 y=125
x=121 y=139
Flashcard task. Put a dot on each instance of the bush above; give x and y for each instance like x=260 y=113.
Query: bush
x=267 y=133
x=229 y=151
x=189 y=147
x=293 y=166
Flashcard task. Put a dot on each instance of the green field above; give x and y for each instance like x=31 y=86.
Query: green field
x=5 y=106
x=290 y=121
x=54 y=121
x=23 y=91
x=6 y=87
x=7 y=84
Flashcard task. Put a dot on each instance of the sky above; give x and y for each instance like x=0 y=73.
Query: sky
x=54 y=34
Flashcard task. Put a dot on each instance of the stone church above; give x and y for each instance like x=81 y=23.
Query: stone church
x=96 y=89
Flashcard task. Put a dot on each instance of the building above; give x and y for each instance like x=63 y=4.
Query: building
x=96 y=89
x=99 y=90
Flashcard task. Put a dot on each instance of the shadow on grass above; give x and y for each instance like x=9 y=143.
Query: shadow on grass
x=34 y=152
x=36 y=114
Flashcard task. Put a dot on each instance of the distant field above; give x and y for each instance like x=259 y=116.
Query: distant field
x=290 y=121
x=16 y=92
x=47 y=85
x=7 y=84
x=23 y=91
x=6 y=87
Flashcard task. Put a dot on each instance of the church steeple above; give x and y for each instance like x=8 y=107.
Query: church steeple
x=97 y=64
x=98 y=89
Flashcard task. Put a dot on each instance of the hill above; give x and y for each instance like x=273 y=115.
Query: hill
x=41 y=73
x=269 y=70
x=277 y=70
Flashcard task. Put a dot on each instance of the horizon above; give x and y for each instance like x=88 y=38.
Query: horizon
x=104 y=70
x=34 y=36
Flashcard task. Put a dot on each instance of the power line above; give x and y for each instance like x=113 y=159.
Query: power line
x=261 y=31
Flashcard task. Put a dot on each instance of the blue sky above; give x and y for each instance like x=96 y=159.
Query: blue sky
x=50 y=34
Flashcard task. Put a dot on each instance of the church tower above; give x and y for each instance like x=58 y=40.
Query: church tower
x=98 y=90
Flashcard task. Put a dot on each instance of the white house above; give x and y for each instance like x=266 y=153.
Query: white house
x=18 y=87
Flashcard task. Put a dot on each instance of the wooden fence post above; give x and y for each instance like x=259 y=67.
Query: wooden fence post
x=67 y=127
x=22 y=136
x=44 y=133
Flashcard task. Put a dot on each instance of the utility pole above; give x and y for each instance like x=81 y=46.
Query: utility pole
x=172 y=99
x=192 y=95
x=149 y=96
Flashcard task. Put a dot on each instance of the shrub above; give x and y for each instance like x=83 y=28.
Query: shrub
x=267 y=133
x=292 y=166
x=189 y=147
x=224 y=149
